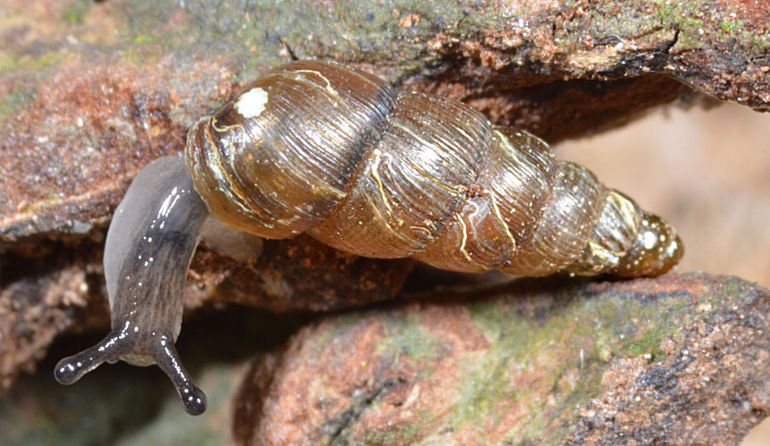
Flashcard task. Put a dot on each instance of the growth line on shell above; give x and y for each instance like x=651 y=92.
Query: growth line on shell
x=499 y=215
x=241 y=200
x=329 y=89
x=422 y=229
x=472 y=215
x=454 y=191
x=222 y=129
x=464 y=239
x=378 y=155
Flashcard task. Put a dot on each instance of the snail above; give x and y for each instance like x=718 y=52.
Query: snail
x=315 y=147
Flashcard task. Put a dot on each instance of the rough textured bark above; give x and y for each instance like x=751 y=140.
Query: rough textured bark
x=681 y=360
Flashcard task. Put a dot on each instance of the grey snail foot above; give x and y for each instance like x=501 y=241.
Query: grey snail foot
x=149 y=245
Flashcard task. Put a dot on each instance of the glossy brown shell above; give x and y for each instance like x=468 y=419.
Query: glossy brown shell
x=320 y=148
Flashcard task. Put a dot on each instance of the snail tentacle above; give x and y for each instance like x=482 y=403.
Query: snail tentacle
x=70 y=369
x=167 y=358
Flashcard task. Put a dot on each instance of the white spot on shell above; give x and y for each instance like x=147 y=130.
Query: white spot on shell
x=649 y=240
x=251 y=103
x=672 y=247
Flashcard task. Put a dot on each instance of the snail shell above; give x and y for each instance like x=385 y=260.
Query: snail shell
x=319 y=148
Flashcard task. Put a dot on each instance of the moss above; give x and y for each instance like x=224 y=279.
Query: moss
x=486 y=390
x=483 y=390
x=732 y=289
x=729 y=26
x=399 y=434
x=735 y=28
x=526 y=348
x=684 y=17
x=144 y=55
x=15 y=101
x=490 y=318
x=11 y=64
x=407 y=337
x=648 y=342
x=761 y=42
x=690 y=24
x=75 y=12
x=143 y=38
x=253 y=35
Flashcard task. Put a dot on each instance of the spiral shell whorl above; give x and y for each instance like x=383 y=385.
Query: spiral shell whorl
x=319 y=148
x=279 y=158
x=413 y=180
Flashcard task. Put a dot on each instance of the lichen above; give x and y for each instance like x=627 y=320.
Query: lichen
x=76 y=11
x=17 y=64
x=397 y=435
x=15 y=101
x=568 y=353
x=406 y=337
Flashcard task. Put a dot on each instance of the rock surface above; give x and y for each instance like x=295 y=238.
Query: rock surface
x=506 y=364
x=681 y=360
x=92 y=91
x=125 y=405
x=63 y=291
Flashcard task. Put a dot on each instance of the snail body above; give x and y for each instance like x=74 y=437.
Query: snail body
x=319 y=148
